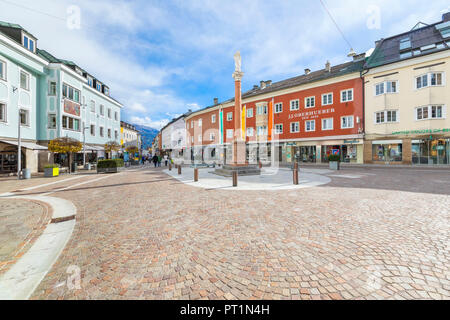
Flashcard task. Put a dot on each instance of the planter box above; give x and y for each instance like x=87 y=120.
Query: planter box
x=334 y=165
x=109 y=170
x=51 y=172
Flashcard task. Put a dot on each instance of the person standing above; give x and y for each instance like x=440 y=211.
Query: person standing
x=159 y=160
x=155 y=160
x=166 y=159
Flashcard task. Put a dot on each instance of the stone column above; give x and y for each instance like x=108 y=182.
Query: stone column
x=407 y=151
x=238 y=142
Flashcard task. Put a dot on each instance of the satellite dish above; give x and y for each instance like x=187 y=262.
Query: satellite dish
x=352 y=53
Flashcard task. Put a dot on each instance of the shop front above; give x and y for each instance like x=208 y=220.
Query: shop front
x=349 y=151
x=431 y=151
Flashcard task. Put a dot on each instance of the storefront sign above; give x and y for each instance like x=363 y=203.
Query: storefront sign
x=421 y=131
x=351 y=141
x=335 y=152
x=311 y=114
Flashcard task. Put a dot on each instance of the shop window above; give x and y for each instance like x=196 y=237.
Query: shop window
x=387 y=152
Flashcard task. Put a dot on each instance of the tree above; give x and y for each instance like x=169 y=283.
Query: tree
x=65 y=145
x=111 y=146
x=132 y=149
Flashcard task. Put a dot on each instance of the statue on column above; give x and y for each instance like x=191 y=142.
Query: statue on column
x=237 y=62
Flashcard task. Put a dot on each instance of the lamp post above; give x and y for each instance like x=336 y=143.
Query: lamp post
x=84 y=145
x=19 y=151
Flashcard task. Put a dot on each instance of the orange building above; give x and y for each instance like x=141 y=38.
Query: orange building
x=305 y=119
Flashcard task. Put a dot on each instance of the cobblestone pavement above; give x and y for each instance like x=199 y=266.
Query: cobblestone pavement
x=143 y=235
x=21 y=222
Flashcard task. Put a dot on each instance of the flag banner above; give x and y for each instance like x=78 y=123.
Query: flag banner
x=269 y=125
x=243 y=122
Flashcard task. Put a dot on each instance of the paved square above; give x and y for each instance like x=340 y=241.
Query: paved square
x=145 y=235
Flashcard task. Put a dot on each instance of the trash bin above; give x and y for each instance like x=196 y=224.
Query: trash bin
x=26 y=173
x=74 y=167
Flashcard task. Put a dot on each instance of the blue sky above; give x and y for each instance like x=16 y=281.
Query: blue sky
x=161 y=58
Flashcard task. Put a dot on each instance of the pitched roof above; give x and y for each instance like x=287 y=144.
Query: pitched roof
x=14 y=26
x=416 y=42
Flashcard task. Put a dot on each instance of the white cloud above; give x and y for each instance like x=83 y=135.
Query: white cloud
x=147 y=121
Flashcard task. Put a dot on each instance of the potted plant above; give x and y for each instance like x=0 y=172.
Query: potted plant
x=51 y=170
x=334 y=161
x=110 y=166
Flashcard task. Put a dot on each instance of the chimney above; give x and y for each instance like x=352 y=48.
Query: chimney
x=255 y=87
x=446 y=16
x=216 y=101
x=268 y=83
x=328 y=66
x=307 y=71
x=262 y=84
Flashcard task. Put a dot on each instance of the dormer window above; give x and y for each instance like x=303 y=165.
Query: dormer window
x=90 y=81
x=99 y=87
x=106 y=91
x=28 y=43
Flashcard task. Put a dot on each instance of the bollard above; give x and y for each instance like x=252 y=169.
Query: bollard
x=179 y=169
x=195 y=174
x=170 y=166
x=260 y=164
x=235 y=178
x=295 y=165
x=295 y=176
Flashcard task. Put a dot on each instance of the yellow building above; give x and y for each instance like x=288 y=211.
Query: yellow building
x=406 y=97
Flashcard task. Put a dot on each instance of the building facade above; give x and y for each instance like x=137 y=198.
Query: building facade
x=303 y=119
x=129 y=135
x=53 y=98
x=173 y=137
x=407 y=96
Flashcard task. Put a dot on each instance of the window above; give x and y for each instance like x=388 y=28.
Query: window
x=261 y=130
x=278 y=128
x=116 y=116
x=71 y=93
x=327 y=99
x=92 y=130
x=199 y=138
x=250 y=113
x=387 y=152
x=92 y=103
x=89 y=80
x=430 y=112
x=70 y=123
x=213 y=118
x=116 y=134
x=51 y=121
x=102 y=110
x=106 y=91
x=192 y=139
x=102 y=132
x=295 y=127
x=28 y=43
x=261 y=109
x=388 y=116
x=347 y=122
x=386 y=87
x=24 y=80
x=2 y=70
x=200 y=122
x=2 y=112
x=192 y=125
x=52 y=88
x=109 y=113
x=295 y=105
x=229 y=116
x=278 y=107
x=310 y=125
x=99 y=87
x=249 y=132
x=24 y=117
x=327 y=124
x=310 y=102
x=109 y=133
x=347 y=95
x=211 y=136
x=430 y=79
x=229 y=133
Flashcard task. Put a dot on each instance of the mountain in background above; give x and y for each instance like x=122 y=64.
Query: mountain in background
x=148 y=134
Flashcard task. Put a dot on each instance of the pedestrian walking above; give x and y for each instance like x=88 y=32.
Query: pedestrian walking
x=155 y=160
x=166 y=160
x=159 y=161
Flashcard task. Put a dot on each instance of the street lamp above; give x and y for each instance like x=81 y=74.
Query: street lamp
x=84 y=145
x=19 y=151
